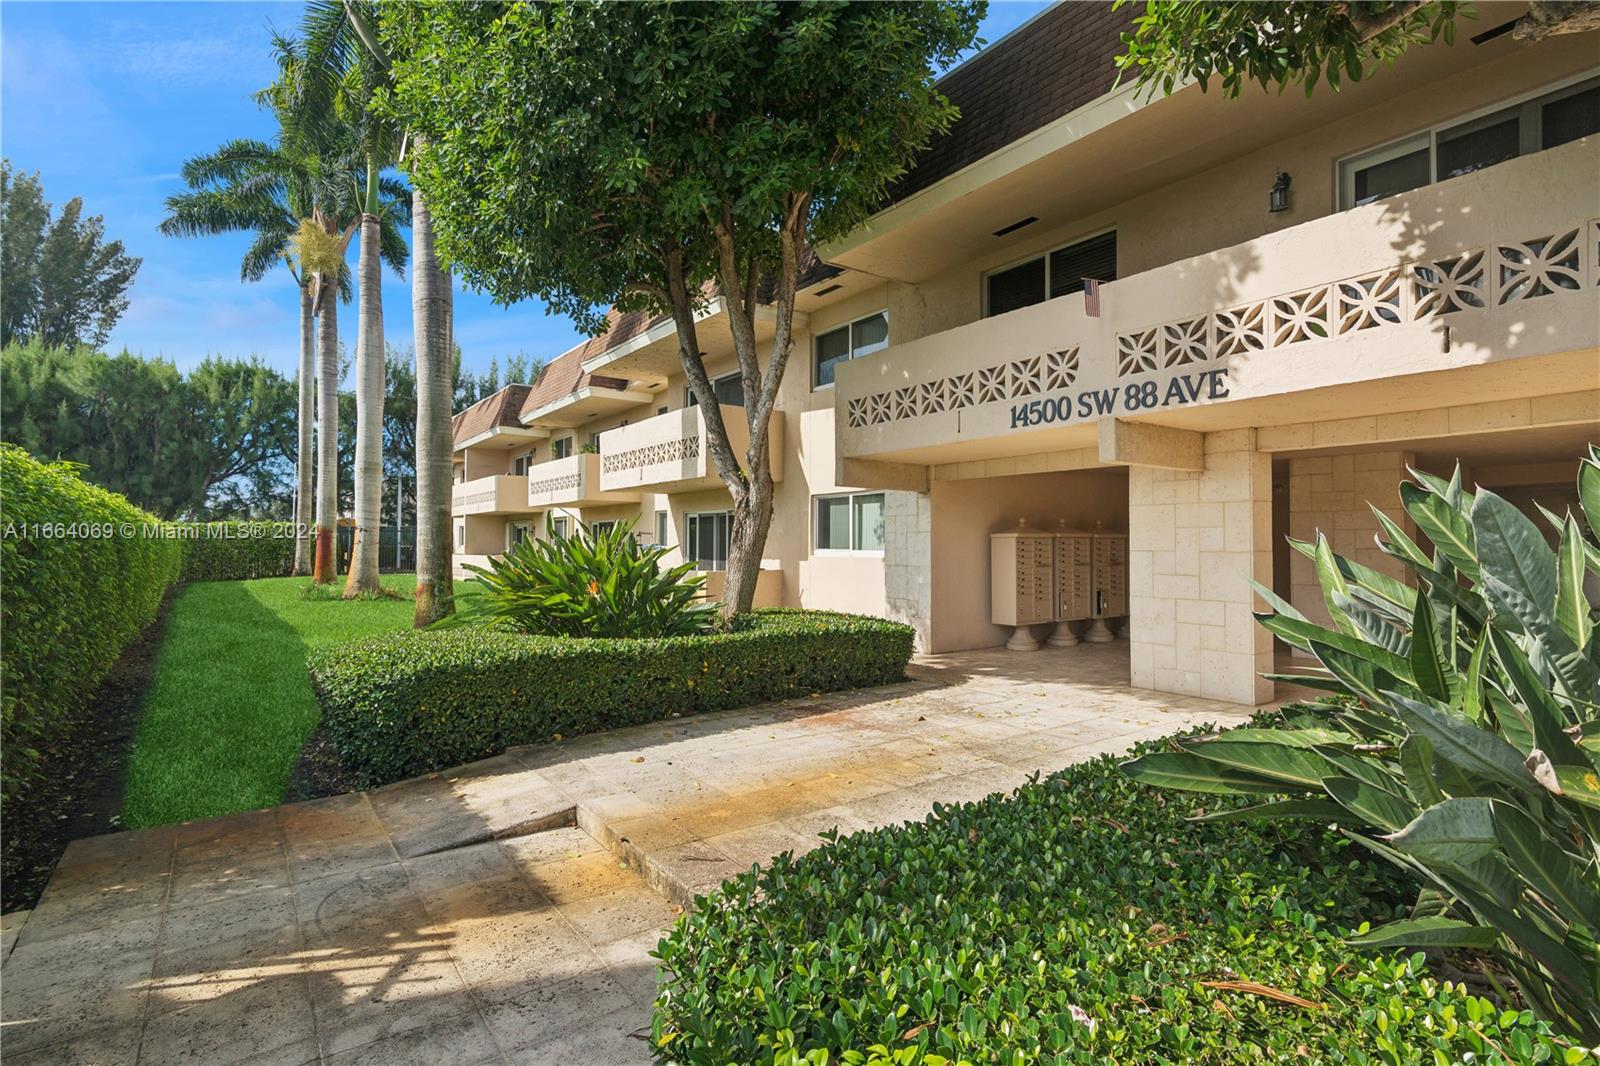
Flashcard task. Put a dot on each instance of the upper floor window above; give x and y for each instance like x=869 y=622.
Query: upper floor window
x=861 y=337
x=1541 y=121
x=728 y=389
x=1057 y=273
x=520 y=464
x=598 y=528
x=561 y=447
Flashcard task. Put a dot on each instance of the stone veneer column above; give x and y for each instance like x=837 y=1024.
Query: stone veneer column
x=908 y=560
x=1329 y=493
x=1195 y=541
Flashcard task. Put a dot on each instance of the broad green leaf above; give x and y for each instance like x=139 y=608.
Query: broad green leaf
x=1446 y=527
x=1309 y=738
x=1295 y=767
x=1455 y=832
x=1589 y=493
x=1403 y=547
x=1572 y=607
x=1276 y=602
x=1512 y=720
x=1434 y=932
x=1319 y=809
x=1591 y=552
x=1383 y=625
x=1301 y=634
x=1543 y=864
x=1472 y=686
x=1320 y=682
x=1580 y=784
x=1432 y=663
x=1474 y=750
x=1184 y=770
x=1360 y=675
x=1333 y=585
x=1416 y=762
x=1374 y=806
x=1544 y=713
x=1514 y=556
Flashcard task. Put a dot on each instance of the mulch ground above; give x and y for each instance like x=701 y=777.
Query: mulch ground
x=318 y=771
x=79 y=790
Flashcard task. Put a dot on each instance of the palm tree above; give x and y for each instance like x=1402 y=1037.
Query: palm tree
x=315 y=124
x=252 y=186
x=342 y=35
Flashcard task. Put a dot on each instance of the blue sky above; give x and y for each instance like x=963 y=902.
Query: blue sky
x=106 y=100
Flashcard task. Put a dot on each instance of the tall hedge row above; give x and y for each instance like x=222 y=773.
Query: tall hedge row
x=236 y=551
x=82 y=571
x=410 y=702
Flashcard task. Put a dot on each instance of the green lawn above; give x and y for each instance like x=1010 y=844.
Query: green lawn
x=230 y=705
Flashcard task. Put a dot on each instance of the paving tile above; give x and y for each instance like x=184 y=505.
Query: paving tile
x=564 y=880
x=620 y=1038
x=259 y=1019
x=492 y=798
x=360 y=907
x=759 y=843
x=333 y=835
x=631 y=963
x=10 y=928
x=470 y=884
x=550 y=845
x=92 y=895
x=538 y=1011
x=500 y=952
x=362 y=996
x=73 y=985
x=231 y=856
x=115 y=1045
x=111 y=846
x=617 y=915
x=460 y=1041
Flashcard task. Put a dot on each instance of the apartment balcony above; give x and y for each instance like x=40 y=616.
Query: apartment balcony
x=571 y=482
x=498 y=494
x=1488 y=282
x=668 y=453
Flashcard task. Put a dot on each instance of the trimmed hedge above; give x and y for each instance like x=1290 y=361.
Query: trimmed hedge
x=417 y=701
x=1081 y=919
x=82 y=571
x=238 y=551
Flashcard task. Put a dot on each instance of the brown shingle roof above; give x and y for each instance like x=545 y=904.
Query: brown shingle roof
x=1060 y=61
x=501 y=409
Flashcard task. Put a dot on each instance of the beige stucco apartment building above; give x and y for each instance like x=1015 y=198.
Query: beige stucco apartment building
x=1299 y=297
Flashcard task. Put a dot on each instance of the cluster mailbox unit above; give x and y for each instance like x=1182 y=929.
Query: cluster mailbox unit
x=1064 y=576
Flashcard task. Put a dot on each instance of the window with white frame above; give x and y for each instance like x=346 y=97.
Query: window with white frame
x=558 y=527
x=706 y=543
x=661 y=528
x=520 y=531
x=849 y=522
x=1544 y=120
x=597 y=528
x=520 y=464
x=1056 y=273
x=461 y=534
x=561 y=447
x=861 y=337
x=728 y=389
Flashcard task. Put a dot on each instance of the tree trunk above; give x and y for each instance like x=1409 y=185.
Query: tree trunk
x=327 y=431
x=303 y=458
x=431 y=322
x=363 y=576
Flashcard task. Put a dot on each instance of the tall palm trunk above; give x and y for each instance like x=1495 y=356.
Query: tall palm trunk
x=303 y=459
x=327 y=430
x=431 y=321
x=363 y=576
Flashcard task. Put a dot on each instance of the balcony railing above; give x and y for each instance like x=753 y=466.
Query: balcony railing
x=497 y=494
x=1499 y=264
x=668 y=453
x=571 y=482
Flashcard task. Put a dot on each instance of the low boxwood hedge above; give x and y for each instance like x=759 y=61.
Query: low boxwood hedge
x=411 y=702
x=237 y=551
x=1081 y=919
x=82 y=572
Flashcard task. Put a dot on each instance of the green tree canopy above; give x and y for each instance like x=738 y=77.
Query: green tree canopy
x=626 y=155
x=60 y=280
x=1303 y=42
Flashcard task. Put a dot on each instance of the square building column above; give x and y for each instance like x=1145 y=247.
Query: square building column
x=1196 y=539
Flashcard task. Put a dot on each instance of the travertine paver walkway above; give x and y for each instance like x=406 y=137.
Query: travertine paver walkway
x=483 y=915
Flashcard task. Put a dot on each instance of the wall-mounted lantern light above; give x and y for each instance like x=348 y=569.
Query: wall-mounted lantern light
x=1278 y=199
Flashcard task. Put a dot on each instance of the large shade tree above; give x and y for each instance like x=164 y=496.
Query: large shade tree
x=642 y=155
x=1236 y=42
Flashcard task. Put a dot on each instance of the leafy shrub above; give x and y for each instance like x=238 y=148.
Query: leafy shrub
x=236 y=551
x=82 y=574
x=1468 y=746
x=1080 y=919
x=592 y=584
x=411 y=702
